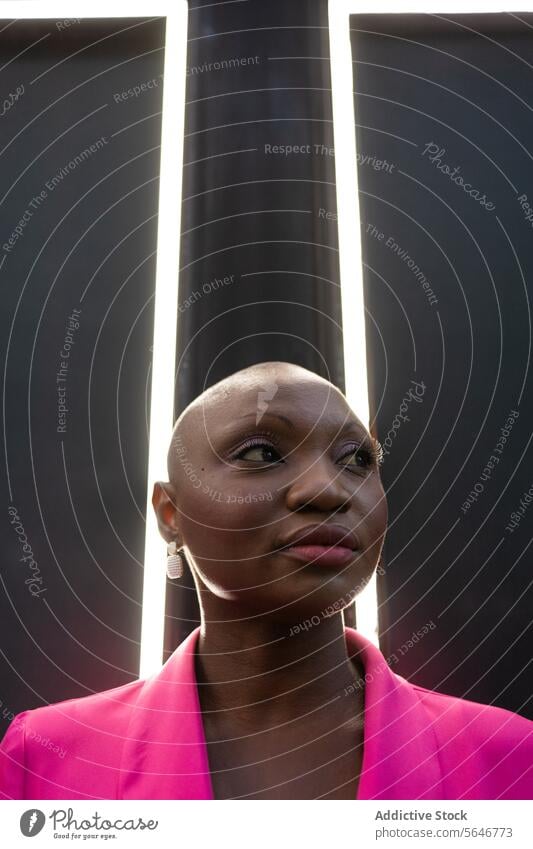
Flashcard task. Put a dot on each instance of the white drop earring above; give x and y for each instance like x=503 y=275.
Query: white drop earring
x=174 y=561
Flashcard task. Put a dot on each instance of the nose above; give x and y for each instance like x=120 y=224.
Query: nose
x=319 y=487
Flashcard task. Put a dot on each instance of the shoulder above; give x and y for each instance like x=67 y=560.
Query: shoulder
x=482 y=751
x=464 y=715
x=487 y=750
x=58 y=739
x=104 y=712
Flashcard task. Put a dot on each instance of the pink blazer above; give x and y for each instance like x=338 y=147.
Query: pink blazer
x=145 y=740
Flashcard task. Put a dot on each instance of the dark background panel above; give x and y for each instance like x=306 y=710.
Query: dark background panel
x=87 y=244
x=448 y=289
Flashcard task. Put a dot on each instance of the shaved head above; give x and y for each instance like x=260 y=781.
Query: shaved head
x=254 y=458
x=262 y=378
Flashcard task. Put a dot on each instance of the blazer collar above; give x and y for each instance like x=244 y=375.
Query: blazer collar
x=165 y=753
x=400 y=752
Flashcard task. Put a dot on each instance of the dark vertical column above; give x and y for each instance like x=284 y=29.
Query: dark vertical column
x=259 y=258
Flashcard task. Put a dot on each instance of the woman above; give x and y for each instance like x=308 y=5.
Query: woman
x=276 y=499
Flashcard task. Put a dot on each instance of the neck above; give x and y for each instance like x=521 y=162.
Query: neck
x=256 y=672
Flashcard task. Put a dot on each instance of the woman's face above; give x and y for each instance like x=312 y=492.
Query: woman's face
x=240 y=489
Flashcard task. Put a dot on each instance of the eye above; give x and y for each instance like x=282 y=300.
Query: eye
x=258 y=451
x=362 y=456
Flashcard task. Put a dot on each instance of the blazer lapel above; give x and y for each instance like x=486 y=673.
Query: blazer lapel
x=400 y=757
x=165 y=753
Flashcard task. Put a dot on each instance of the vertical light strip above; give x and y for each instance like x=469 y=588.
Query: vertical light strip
x=165 y=328
x=350 y=258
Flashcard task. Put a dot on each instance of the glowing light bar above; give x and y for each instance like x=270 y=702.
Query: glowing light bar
x=165 y=328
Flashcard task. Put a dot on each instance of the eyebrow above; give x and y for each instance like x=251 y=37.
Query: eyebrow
x=351 y=424
x=272 y=415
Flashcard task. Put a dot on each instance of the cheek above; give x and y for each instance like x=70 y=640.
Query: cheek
x=375 y=512
x=229 y=524
x=228 y=533
x=228 y=543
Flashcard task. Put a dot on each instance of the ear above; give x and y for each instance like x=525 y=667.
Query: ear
x=164 y=503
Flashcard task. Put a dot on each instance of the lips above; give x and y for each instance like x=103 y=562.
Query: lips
x=323 y=536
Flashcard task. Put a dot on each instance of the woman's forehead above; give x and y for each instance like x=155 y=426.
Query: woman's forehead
x=258 y=392
x=292 y=402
